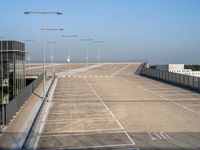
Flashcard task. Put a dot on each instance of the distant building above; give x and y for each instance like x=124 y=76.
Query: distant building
x=178 y=68
x=170 y=67
x=12 y=70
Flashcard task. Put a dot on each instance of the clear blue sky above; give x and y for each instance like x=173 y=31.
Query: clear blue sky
x=160 y=31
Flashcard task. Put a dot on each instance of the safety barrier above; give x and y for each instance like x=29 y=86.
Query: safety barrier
x=19 y=100
x=176 y=78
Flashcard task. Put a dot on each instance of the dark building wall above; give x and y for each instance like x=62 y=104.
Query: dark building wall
x=12 y=68
x=12 y=71
x=12 y=45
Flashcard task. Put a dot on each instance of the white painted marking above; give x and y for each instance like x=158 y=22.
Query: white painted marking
x=65 y=120
x=78 y=112
x=20 y=138
x=121 y=69
x=89 y=133
x=169 y=137
x=74 y=71
x=151 y=136
x=158 y=136
x=105 y=146
x=81 y=120
x=50 y=97
x=171 y=101
x=110 y=112
x=189 y=109
x=84 y=131
x=163 y=135
x=175 y=103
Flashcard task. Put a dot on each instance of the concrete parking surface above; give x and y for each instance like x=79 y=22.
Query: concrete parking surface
x=110 y=107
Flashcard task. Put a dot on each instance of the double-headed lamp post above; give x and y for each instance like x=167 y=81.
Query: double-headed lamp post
x=99 y=50
x=87 y=48
x=44 y=42
x=50 y=29
x=69 y=49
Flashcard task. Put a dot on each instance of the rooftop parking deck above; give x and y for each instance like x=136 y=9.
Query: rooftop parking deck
x=109 y=107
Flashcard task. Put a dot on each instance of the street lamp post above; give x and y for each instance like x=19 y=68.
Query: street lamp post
x=52 y=55
x=87 y=49
x=2 y=115
x=69 y=49
x=99 y=50
x=43 y=13
x=50 y=29
x=29 y=51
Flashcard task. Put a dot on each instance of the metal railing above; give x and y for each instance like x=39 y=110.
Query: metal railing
x=176 y=78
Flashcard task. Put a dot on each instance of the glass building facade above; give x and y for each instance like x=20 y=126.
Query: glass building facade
x=12 y=72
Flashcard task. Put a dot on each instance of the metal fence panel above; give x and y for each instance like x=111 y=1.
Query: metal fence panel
x=178 y=78
x=170 y=76
x=164 y=73
x=173 y=77
x=181 y=79
x=190 y=81
x=154 y=73
x=150 y=71
x=199 y=83
x=161 y=72
x=186 y=80
x=20 y=99
x=196 y=82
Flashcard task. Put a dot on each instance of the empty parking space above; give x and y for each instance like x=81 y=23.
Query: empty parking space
x=120 y=112
x=84 y=141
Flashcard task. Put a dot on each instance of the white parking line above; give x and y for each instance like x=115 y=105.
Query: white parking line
x=159 y=135
x=152 y=137
x=171 y=101
x=186 y=108
x=169 y=137
x=121 y=69
x=103 y=146
x=78 y=119
x=190 y=109
x=46 y=113
x=89 y=133
x=110 y=112
x=82 y=131
x=75 y=112
x=90 y=76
